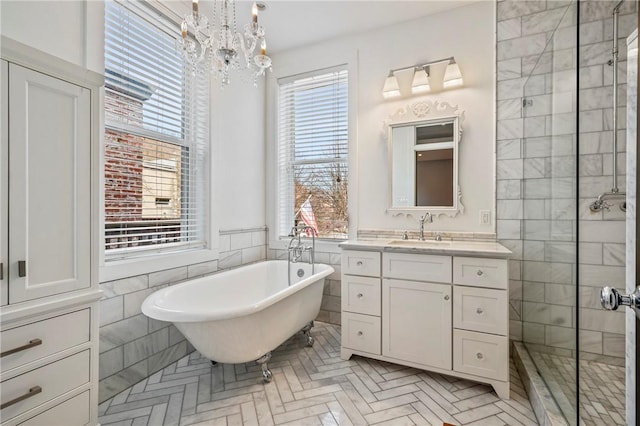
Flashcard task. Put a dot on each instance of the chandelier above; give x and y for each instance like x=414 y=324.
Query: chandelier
x=217 y=44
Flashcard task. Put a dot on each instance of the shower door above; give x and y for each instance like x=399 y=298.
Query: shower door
x=610 y=298
x=571 y=249
x=549 y=197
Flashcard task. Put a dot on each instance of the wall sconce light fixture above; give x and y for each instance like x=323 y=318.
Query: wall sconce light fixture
x=420 y=82
x=391 y=88
x=421 y=74
x=452 y=75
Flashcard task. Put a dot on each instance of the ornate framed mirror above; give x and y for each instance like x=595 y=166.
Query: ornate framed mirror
x=424 y=140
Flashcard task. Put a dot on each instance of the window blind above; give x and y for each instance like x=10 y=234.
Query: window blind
x=156 y=120
x=313 y=136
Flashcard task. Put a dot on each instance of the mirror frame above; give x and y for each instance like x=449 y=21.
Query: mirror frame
x=420 y=113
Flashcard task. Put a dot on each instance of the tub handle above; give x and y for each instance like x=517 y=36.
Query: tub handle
x=360 y=295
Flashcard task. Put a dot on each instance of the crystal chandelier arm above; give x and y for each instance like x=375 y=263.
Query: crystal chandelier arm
x=247 y=50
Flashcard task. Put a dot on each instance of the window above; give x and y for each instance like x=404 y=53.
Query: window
x=313 y=135
x=156 y=115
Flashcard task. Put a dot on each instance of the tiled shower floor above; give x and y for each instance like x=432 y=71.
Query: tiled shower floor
x=312 y=386
x=602 y=388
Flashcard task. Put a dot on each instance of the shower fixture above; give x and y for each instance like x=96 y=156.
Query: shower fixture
x=600 y=202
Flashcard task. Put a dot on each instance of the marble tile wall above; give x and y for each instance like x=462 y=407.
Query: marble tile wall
x=536 y=147
x=133 y=346
x=330 y=309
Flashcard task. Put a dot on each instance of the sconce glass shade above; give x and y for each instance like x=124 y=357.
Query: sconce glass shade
x=452 y=76
x=420 y=81
x=391 y=88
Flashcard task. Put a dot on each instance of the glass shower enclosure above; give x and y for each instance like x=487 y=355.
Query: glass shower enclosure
x=572 y=245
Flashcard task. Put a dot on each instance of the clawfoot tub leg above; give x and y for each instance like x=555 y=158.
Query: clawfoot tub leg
x=266 y=373
x=307 y=332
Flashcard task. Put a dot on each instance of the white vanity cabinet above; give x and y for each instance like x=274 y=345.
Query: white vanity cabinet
x=416 y=322
x=48 y=210
x=361 y=309
x=446 y=313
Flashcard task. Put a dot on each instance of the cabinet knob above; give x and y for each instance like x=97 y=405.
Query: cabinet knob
x=479 y=311
x=360 y=295
x=479 y=355
x=359 y=263
x=359 y=333
x=446 y=297
x=479 y=272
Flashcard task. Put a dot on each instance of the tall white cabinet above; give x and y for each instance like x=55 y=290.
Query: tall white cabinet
x=48 y=239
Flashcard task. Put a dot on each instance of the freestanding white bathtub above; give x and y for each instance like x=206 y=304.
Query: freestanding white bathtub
x=243 y=314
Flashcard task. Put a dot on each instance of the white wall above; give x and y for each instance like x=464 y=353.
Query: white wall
x=466 y=33
x=71 y=30
x=239 y=153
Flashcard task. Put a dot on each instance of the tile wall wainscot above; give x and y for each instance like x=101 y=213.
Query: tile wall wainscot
x=133 y=346
x=331 y=301
x=542 y=305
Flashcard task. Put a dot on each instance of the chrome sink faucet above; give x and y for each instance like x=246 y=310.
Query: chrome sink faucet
x=427 y=217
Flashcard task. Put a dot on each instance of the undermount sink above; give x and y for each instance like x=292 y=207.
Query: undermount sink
x=418 y=243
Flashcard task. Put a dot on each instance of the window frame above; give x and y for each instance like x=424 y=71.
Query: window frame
x=159 y=258
x=290 y=66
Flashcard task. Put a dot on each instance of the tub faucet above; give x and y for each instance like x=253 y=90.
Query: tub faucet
x=297 y=248
x=427 y=217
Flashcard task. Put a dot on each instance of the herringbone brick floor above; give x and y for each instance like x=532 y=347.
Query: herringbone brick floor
x=312 y=386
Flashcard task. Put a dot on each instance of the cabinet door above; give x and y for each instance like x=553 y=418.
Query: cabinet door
x=4 y=188
x=416 y=322
x=49 y=185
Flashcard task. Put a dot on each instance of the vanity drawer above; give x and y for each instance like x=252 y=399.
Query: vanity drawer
x=73 y=411
x=484 y=355
x=53 y=380
x=480 y=309
x=365 y=263
x=419 y=267
x=361 y=294
x=55 y=334
x=361 y=332
x=480 y=272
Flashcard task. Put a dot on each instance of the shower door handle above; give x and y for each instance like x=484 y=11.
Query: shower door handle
x=611 y=299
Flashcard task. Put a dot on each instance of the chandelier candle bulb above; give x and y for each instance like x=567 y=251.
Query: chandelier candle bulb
x=254 y=13
x=263 y=47
x=194 y=6
x=185 y=29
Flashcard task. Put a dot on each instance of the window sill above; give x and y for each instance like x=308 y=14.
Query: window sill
x=118 y=269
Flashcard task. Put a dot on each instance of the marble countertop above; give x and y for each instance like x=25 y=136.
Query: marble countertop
x=472 y=248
